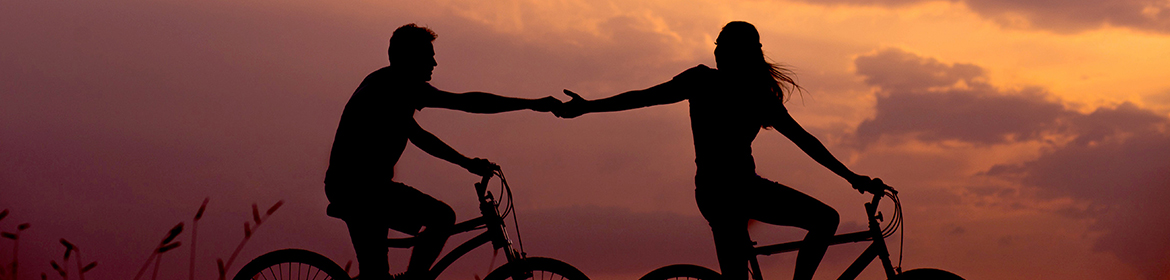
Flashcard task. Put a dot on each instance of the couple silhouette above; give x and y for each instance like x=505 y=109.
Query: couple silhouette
x=729 y=105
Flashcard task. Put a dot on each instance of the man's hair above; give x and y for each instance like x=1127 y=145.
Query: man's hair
x=408 y=37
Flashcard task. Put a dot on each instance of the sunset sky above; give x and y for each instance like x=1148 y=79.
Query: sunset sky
x=1029 y=138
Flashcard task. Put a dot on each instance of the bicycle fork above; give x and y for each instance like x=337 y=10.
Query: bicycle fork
x=877 y=249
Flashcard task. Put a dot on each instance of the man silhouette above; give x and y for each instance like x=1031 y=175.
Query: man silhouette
x=375 y=125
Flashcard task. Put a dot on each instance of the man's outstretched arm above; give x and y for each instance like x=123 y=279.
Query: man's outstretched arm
x=487 y=103
x=427 y=142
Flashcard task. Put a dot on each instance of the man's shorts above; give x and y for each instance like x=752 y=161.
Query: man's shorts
x=395 y=206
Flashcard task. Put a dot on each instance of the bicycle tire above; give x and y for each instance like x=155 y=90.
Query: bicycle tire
x=291 y=264
x=536 y=268
x=927 y=274
x=682 y=271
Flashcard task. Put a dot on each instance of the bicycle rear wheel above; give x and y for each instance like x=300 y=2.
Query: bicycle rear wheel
x=291 y=264
x=682 y=271
x=536 y=268
x=927 y=274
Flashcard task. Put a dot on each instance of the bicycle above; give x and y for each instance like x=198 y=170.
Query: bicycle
x=304 y=264
x=877 y=249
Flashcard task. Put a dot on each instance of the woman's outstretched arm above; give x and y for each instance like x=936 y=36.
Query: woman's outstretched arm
x=669 y=92
x=785 y=124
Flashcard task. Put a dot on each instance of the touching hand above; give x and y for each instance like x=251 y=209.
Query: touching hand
x=481 y=167
x=548 y=103
x=572 y=109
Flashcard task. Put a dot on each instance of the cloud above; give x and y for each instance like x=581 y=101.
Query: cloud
x=1114 y=158
x=1055 y=16
x=1123 y=174
x=1077 y=15
x=933 y=101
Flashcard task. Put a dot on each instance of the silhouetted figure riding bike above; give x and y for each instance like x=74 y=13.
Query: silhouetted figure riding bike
x=728 y=107
x=375 y=126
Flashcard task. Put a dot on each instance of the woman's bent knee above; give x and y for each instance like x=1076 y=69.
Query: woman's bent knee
x=830 y=220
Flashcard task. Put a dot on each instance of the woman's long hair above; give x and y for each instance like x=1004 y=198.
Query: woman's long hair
x=739 y=51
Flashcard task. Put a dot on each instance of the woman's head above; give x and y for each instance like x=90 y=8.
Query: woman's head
x=738 y=47
x=738 y=51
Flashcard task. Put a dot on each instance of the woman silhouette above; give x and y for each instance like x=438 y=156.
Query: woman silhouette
x=728 y=107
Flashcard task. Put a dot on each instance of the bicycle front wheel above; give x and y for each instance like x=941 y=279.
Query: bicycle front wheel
x=682 y=271
x=291 y=264
x=536 y=268
x=927 y=274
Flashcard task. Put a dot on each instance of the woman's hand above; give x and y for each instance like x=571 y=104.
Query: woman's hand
x=861 y=183
x=481 y=167
x=572 y=109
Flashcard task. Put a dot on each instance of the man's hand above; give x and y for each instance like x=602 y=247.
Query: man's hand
x=481 y=167
x=548 y=103
x=572 y=109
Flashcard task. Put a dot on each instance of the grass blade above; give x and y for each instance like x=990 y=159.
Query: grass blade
x=219 y=263
x=175 y=231
x=274 y=207
x=255 y=214
x=199 y=214
x=68 y=247
x=168 y=247
x=88 y=267
x=57 y=268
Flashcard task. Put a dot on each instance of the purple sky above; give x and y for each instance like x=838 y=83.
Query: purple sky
x=1023 y=147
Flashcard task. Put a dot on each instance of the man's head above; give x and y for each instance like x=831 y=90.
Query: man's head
x=411 y=51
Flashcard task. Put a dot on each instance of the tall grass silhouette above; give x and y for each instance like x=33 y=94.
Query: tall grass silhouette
x=249 y=229
x=62 y=270
x=168 y=243
x=15 y=237
x=194 y=230
x=163 y=247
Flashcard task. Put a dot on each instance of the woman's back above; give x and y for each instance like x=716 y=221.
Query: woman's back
x=726 y=114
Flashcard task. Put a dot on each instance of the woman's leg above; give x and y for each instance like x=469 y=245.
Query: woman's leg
x=777 y=204
x=731 y=246
x=729 y=229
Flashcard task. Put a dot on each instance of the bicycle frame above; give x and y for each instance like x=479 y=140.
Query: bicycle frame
x=877 y=249
x=490 y=219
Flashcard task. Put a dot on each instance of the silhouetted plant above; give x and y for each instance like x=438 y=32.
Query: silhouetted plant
x=15 y=237
x=194 y=227
x=163 y=247
x=70 y=251
x=249 y=229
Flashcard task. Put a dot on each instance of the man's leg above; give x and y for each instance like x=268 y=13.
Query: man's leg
x=431 y=240
x=433 y=214
x=369 y=241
